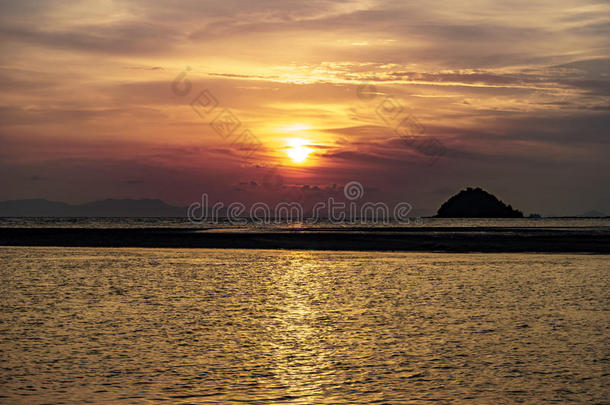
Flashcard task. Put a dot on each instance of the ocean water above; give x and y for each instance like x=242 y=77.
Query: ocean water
x=144 y=326
x=147 y=222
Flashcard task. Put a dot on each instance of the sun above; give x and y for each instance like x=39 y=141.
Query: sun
x=297 y=151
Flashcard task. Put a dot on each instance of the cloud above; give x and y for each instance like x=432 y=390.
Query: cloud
x=130 y=37
x=516 y=91
x=38 y=178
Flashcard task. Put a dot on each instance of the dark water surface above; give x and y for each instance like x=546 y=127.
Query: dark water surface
x=146 y=222
x=83 y=325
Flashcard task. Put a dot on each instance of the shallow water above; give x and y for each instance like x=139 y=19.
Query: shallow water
x=147 y=222
x=234 y=326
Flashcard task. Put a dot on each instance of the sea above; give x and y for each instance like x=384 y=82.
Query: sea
x=230 y=326
x=272 y=225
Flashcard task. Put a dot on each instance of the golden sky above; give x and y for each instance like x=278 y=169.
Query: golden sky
x=514 y=93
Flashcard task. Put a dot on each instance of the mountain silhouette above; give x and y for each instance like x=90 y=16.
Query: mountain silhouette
x=594 y=214
x=476 y=203
x=105 y=208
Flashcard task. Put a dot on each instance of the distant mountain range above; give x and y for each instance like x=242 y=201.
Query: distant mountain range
x=594 y=214
x=104 y=208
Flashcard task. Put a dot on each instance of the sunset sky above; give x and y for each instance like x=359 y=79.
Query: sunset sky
x=516 y=94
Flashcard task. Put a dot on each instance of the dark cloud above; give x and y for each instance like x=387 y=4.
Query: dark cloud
x=20 y=115
x=129 y=38
x=38 y=178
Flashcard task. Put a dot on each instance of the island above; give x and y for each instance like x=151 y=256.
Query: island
x=476 y=203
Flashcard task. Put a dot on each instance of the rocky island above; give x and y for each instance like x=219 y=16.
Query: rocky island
x=476 y=203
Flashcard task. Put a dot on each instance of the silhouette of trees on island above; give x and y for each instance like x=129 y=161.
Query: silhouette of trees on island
x=476 y=203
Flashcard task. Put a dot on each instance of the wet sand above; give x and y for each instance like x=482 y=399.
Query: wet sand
x=505 y=239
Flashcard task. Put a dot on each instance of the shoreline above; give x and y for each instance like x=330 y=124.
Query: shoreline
x=448 y=240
